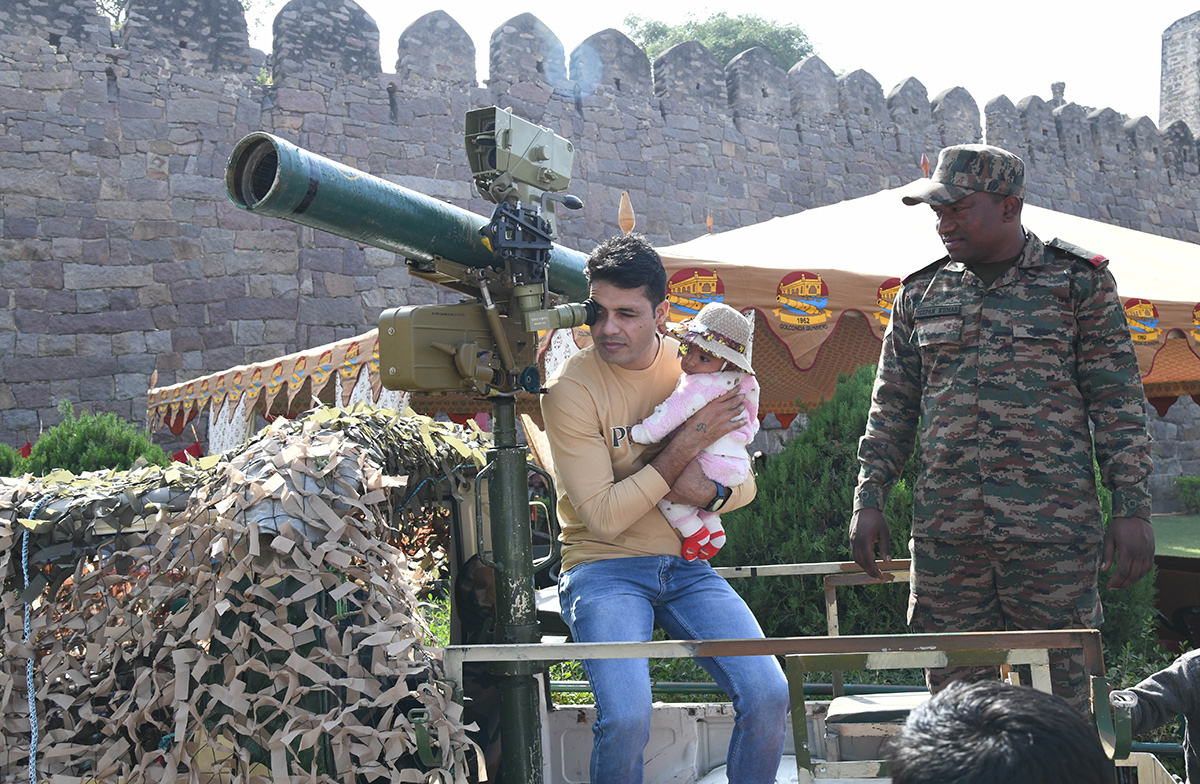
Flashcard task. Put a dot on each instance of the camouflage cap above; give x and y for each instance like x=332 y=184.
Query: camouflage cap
x=965 y=168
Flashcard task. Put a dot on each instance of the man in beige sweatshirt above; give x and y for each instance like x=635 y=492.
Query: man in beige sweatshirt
x=623 y=572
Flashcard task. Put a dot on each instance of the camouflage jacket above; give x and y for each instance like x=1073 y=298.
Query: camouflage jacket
x=1003 y=381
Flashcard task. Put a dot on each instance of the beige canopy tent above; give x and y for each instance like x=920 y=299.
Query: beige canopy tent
x=821 y=284
x=326 y=374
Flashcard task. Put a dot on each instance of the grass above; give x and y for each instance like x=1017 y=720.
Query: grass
x=1177 y=535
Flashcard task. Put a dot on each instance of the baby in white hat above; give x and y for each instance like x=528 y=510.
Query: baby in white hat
x=715 y=356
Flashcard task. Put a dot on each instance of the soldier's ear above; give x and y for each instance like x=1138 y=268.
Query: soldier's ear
x=1011 y=209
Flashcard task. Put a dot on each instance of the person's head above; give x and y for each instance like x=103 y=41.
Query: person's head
x=715 y=339
x=976 y=192
x=994 y=733
x=628 y=283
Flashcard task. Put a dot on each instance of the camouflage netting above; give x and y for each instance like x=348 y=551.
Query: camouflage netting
x=261 y=624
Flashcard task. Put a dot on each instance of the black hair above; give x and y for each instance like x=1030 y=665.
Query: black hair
x=993 y=733
x=629 y=262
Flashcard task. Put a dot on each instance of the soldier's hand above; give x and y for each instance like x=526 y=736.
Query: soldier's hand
x=867 y=527
x=1131 y=541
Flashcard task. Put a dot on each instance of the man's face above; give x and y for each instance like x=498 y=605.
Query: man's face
x=626 y=328
x=975 y=229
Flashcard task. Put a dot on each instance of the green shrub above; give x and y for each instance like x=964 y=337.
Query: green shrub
x=802 y=515
x=91 y=443
x=11 y=462
x=1188 y=489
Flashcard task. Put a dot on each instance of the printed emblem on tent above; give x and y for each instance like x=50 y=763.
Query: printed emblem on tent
x=804 y=297
x=350 y=368
x=235 y=392
x=276 y=381
x=298 y=373
x=1142 y=318
x=690 y=289
x=885 y=298
x=324 y=368
x=219 y=392
x=256 y=384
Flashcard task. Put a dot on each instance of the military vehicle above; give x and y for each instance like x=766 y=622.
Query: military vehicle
x=521 y=282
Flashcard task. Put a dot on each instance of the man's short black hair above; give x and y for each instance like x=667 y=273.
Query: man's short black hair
x=628 y=261
x=994 y=733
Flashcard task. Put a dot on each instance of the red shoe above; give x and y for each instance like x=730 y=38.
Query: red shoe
x=712 y=547
x=694 y=545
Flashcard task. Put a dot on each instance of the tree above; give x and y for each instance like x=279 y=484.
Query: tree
x=724 y=35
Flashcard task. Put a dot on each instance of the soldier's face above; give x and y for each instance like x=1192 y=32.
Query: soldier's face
x=975 y=229
x=626 y=328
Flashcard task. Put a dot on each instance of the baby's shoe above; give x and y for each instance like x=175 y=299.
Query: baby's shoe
x=693 y=545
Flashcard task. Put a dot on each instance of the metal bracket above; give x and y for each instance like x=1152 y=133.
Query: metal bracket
x=552 y=516
x=419 y=718
x=483 y=559
x=1113 y=721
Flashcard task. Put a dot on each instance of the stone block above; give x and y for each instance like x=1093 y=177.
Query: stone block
x=338 y=285
x=330 y=311
x=20 y=99
x=128 y=343
x=64 y=368
x=201 y=111
x=78 y=277
x=259 y=263
x=253 y=309
x=27 y=395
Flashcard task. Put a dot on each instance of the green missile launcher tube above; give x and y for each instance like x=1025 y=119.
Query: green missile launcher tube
x=270 y=176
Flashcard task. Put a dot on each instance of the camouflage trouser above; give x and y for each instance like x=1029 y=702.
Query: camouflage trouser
x=973 y=585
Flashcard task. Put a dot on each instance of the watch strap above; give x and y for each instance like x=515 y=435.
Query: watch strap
x=719 y=499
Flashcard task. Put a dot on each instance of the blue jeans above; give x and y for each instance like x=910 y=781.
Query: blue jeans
x=619 y=600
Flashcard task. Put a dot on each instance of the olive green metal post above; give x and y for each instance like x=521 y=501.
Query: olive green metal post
x=516 y=610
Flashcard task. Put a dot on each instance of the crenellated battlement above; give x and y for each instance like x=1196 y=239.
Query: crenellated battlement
x=212 y=34
x=120 y=254
x=318 y=43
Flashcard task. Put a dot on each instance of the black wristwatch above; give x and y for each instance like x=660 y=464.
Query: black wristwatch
x=719 y=500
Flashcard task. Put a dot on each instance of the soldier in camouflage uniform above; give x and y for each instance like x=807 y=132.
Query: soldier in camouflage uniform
x=1003 y=352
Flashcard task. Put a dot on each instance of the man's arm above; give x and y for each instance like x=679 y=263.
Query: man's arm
x=584 y=465
x=1111 y=385
x=691 y=394
x=1167 y=693
x=693 y=488
x=888 y=441
x=721 y=416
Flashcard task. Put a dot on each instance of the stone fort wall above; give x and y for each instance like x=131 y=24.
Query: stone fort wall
x=120 y=254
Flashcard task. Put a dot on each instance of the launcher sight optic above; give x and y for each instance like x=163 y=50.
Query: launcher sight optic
x=517 y=277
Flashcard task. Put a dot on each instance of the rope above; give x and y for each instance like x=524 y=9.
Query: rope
x=29 y=689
